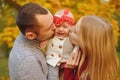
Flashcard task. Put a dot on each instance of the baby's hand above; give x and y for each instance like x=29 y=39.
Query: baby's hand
x=43 y=44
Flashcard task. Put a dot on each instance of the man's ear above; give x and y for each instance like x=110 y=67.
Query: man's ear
x=30 y=35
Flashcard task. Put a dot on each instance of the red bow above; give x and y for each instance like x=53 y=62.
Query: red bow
x=64 y=18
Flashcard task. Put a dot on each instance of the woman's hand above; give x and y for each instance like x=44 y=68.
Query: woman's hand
x=73 y=61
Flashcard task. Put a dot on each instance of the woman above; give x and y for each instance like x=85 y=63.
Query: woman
x=98 y=59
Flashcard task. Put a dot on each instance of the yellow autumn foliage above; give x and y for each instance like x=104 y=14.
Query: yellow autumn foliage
x=79 y=8
x=8 y=36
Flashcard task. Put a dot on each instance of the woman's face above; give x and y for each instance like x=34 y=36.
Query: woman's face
x=74 y=34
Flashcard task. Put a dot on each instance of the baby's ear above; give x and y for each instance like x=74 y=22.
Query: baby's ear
x=30 y=35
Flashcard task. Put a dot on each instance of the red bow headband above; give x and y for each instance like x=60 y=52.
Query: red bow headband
x=64 y=18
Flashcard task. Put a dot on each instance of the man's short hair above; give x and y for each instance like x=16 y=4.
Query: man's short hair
x=26 y=16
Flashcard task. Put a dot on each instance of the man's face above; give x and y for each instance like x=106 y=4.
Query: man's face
x=46 y=28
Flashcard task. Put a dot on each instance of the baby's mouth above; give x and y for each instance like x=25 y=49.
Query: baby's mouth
x=60 y=33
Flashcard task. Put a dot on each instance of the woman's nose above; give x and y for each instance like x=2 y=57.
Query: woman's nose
x=71 y=29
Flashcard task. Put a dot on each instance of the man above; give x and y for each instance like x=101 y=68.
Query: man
x=26 y=60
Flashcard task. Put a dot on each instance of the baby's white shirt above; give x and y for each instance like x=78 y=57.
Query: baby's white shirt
x=58 y=50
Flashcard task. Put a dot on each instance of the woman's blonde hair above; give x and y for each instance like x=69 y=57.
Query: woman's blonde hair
x=98 y=47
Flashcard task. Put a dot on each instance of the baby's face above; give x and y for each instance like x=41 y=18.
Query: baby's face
x=62 y=31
